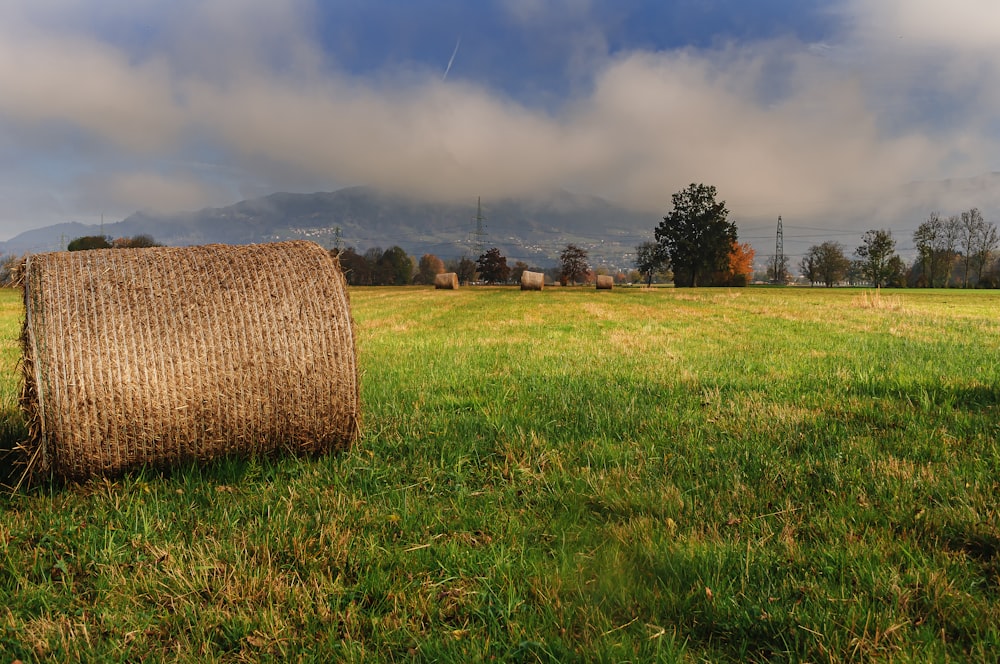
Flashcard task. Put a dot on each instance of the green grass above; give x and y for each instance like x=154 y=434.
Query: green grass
x=666 y=475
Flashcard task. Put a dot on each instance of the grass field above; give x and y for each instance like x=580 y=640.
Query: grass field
x=570 y=475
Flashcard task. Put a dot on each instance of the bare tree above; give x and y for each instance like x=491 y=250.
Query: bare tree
x=777 y=269
x=935 y=240
x=986 y=244
x=649 y=259
x=970 y=229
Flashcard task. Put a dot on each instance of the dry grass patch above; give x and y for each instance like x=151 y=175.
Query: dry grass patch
x=875 y=300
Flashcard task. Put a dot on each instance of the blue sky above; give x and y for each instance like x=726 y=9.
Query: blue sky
x=819 y=111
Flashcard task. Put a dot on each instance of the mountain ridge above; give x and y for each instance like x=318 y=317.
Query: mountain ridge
x=530 y=229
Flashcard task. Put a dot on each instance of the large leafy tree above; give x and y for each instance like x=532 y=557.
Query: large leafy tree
x=88 y=242
x=696 y=236
x=875 y=255
x=493 y=267
x=393 y=268
x=357 y=269
x=573 y=263
x=826 y=263
x=518 y=269
x=466 y=270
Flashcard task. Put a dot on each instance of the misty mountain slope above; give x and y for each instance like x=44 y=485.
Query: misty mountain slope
x=533 y=230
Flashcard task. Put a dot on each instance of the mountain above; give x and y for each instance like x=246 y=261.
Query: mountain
x=534 y=230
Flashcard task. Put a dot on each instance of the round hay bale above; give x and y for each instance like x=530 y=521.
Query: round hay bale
x=446 y=281
x=532 y=280
x=605 y=282
x=155 y=356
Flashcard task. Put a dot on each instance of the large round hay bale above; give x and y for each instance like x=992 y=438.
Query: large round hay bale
x=446 y=281
x=532 y=280
x=605 y=282
x=154 y=356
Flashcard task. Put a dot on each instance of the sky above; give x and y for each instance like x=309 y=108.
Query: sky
x=809 y=109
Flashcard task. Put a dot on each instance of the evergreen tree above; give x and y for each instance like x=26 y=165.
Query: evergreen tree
x=696 y=236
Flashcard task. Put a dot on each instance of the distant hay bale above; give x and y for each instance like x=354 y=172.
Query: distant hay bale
x=605 y=282
x=446 y=281
x=532 y=280
x=155 y=356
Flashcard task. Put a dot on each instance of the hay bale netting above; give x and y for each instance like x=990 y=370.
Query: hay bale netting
x=605 y=282
x=532 y=280
x=446 y=280
x=155 y=356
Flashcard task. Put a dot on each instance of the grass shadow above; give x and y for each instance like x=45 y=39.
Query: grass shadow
x=13 y=432
x=232 y=469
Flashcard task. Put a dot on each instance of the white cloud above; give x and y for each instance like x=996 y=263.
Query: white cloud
x=154 y=192
x=81 y=83
x=956 y=26
x=779 y=127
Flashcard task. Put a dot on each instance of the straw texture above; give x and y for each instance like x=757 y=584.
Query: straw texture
x=446 y=281
x=155 y=356
x=532 y=280
x=605 y=282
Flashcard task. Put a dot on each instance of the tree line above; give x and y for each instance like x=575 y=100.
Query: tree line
x=393 y=267
x=955 y=251
x=696 y=244
x=10 y=264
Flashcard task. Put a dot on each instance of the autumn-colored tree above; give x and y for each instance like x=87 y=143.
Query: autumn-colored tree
x=429 y=267
x=492 y=267
x=143 y=241
x=739 y=267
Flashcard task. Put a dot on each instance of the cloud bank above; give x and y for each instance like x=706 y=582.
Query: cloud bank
x=180 y=105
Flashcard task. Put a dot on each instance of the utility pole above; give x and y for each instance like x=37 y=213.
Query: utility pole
x=778 y=271
x=479 y=236
x=338 y=240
